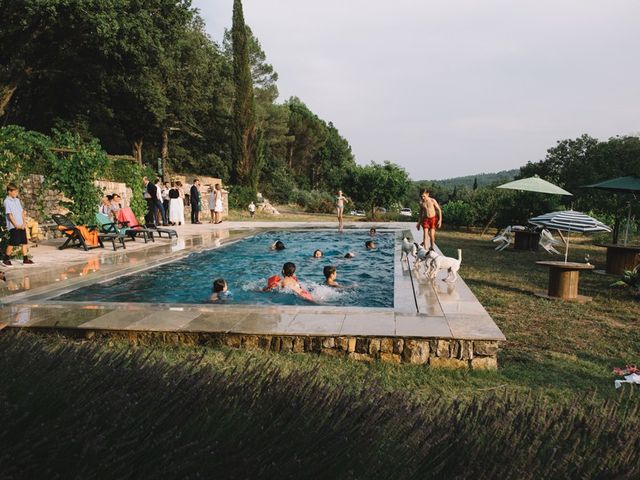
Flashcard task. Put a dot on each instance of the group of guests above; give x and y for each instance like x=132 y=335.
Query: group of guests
x=287 y=278
x=166 y=202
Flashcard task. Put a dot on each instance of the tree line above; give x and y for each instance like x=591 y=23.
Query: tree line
x=147 y=80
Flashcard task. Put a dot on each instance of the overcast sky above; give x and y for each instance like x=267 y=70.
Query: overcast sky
x=453 y=87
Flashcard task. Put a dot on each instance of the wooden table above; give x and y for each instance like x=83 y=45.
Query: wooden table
x=620 y=257
x=564 y=279
x=526 y=240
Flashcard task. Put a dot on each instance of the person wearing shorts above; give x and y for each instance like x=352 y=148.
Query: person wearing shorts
x=16 y=225
x=427 y=219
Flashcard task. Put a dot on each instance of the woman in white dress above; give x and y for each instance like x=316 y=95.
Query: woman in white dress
x=218 y=203
x=176 y=204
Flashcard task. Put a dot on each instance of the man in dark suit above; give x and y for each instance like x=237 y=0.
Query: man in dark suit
x=195 y=201
x=149 y=194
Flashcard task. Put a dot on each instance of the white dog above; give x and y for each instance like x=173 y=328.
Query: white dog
x=439 y=262
x=408 y=248
x=422 y=257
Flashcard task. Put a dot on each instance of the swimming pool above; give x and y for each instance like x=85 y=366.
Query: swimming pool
x=247 y=263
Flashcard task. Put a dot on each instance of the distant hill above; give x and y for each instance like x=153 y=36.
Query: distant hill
x=483 y=179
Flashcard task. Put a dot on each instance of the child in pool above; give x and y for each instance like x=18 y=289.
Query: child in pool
x=279 y=245
x=317 y=254
x=288 y=280
x=370 y=245
x=219 y=291
x=372 y=232
x=330 y=275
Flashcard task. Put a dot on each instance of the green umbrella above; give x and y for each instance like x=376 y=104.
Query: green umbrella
x=628 y=184
x=535 y=184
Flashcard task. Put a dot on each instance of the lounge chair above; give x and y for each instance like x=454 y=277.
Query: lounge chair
x=107 y=226
x=127 y=218
x=76 y=234
x=548 y=242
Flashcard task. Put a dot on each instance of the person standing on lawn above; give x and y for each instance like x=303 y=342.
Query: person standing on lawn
x=427 y=219
x=17 y=226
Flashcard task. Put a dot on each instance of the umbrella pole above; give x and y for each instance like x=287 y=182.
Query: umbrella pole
x=626 y=231
x=566 y=250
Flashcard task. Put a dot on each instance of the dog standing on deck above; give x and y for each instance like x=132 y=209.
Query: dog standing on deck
x=408 y=248
x=439 y=262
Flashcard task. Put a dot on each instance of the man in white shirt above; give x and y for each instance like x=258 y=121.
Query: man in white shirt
x=17 y=226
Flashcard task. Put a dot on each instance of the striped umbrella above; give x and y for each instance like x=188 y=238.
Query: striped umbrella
x=569 y=221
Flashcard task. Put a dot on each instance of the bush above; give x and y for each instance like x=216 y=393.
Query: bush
x=314 y=201
x=457 y=213
x=240 y=197
x=80 y=410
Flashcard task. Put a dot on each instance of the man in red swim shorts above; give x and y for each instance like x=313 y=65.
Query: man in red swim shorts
x=427 y=219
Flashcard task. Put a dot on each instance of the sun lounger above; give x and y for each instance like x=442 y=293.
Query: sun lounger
x=504 y=239
x=127 y=218
x=85 y=236
x=169 y=232
x=107 y=226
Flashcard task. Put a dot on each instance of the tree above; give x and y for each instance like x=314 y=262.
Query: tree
x=475 y=183
x=244 y=129
x=378 y=185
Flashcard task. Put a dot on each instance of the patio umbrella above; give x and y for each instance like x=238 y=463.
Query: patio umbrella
x=535 y=184
x=569 y=221
x=627 y=184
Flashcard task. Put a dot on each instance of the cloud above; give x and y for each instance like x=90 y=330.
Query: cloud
x=448 y=88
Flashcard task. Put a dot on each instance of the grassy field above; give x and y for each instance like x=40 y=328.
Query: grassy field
x=558 y=350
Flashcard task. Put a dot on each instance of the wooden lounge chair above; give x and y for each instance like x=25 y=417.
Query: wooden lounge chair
x=107 y=226
x=75 y=237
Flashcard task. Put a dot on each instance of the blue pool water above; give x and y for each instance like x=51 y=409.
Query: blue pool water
x=247 y=264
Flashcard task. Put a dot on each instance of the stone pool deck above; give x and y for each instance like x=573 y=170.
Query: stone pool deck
x=433 y=323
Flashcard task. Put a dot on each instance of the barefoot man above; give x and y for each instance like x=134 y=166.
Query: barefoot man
x=427 y=218
x=340 y=199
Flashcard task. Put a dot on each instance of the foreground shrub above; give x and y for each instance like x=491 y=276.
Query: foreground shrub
x=82 y=411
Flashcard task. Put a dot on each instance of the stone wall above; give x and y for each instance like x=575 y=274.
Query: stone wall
x=435 y=352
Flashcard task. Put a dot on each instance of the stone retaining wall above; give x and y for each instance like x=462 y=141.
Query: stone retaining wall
x=439 y=353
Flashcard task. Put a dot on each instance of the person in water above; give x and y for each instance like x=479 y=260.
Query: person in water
x=288 y=281
x=370 y=245
x=330 y=275
x=372 y=232
x=278 y=245
x=219 y=291
x=349 y=255
x=317 y=254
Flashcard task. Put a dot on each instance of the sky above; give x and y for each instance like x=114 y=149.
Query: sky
x=452 y=87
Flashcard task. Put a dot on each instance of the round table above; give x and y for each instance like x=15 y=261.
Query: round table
x=526 y=240
x=564 y=279
x=620 y=257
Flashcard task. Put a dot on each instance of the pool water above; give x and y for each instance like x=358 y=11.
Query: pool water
x=247 y=264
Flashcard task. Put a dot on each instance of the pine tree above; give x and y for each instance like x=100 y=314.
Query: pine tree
x=243 y=148
x=475 y=183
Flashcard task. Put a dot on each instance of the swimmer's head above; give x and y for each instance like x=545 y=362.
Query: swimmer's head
x=372 y=231
x=349 y=255
x=289 y=269
x=370 y=244
x=219 y=285
x=330 y=272
x=279 y=245
x=317 y=254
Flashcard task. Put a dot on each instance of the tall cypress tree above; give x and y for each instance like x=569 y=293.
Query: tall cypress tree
x=243 y=148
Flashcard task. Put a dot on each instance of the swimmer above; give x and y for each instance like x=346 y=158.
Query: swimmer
x=349 y=255
x=288 y=280
x=219 y=291
x=370 y=245
x=278 y=245
x=317 y=254
x=372 y=232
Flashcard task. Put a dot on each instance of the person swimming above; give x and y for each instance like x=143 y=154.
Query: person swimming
x=372 y=232
x=219 y=291
x=278 y=245
x=288 y=281
x=318 y=254
x=349 y=255
x=370 y=245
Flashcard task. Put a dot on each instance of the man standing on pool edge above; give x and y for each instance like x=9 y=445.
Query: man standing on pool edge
x=427 y=218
